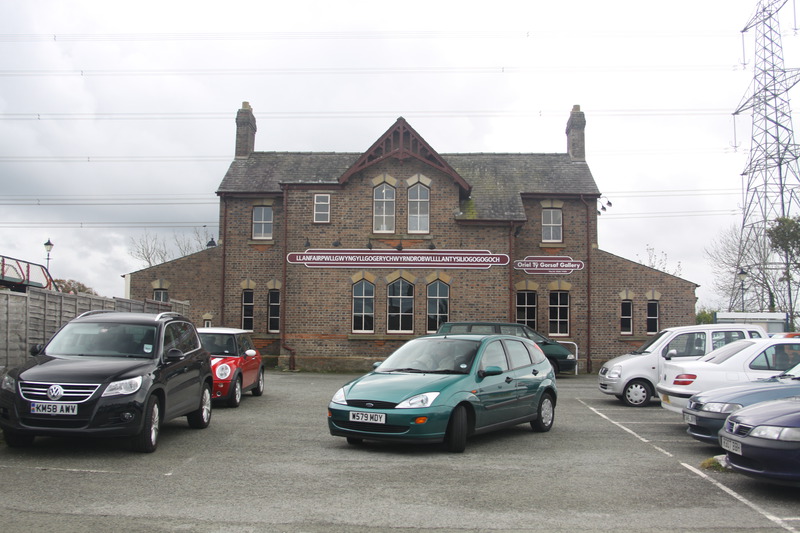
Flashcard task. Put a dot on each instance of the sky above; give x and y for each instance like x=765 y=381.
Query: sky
x=117 y=119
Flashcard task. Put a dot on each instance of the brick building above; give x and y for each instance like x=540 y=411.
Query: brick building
x=335 y=259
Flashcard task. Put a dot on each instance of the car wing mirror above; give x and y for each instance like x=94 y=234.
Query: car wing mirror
x=670 y=354
x=250 y=353
x=490 y=371
x=36 y=349
x=174 y=354
x=376 y=364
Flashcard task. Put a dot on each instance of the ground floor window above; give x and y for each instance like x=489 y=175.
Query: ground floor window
x=438 y=305
x=559 y=314
x=652 y=317
x=400 y=315
x=526 y=308
x=363 y=307
x=626 y=317
x=274 y=311
x=248 y=308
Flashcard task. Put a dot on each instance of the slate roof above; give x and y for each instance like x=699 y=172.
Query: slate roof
x=497 y=180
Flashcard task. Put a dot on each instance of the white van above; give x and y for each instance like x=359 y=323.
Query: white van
x=632 y=378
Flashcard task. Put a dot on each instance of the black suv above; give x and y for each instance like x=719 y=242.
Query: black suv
x=109 y=374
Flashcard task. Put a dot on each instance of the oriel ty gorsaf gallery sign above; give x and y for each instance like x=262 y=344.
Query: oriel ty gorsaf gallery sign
x=548 y=264
x=325 y=258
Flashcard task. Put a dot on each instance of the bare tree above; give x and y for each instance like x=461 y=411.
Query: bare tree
x=150 y=249
x=659 y=261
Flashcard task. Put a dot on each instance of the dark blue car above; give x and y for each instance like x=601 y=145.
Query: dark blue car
x=705 y=413
x=763 y=441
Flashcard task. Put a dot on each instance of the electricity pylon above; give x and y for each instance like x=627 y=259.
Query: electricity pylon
x=771 y=179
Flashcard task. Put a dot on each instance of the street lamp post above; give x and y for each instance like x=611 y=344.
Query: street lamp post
x=742 y=275
x=49 y=247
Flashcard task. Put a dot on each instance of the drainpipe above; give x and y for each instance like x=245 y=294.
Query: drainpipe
x=588 y=287
x=511 y=252
x=224 y=238
x=284 y=290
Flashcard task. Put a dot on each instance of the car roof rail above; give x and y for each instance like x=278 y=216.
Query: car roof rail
x=96 y=312
x=166 y=314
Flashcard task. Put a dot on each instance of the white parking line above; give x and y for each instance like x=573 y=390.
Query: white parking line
x=778 y=521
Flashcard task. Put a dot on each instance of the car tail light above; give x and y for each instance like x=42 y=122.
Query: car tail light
x=684 y=379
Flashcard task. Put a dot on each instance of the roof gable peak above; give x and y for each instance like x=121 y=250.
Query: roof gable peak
x=402 y=142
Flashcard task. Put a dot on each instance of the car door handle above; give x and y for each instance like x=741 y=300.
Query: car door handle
x=509 y=379
x=535 y=372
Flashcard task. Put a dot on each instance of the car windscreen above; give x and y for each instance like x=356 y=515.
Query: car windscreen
x=433 y=355
x=104 y=339
x=645 y=348
x=219 y=343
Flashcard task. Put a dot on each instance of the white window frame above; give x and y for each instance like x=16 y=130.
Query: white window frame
x=552 y=225
x=262 y=222
x=400 y=313
x=524 y=317
x=322 y=208
x=248 y=306
x=367 y=306
x=419 y=209
x=626 y=316
x=383 y=208
x=438 y=297
x=653 y=317
x=273 y=311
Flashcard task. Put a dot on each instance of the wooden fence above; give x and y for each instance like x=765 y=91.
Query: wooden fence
x=33 y=317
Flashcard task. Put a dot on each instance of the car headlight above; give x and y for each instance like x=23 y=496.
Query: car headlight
x=615 y=372
x=223 y=371
x=719 y=407
x=126 y=386
x=8 y=383
x=420 y=400
x=339 y=397
x=776 y=433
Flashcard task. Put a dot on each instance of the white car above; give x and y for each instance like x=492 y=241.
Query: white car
x=734 y=364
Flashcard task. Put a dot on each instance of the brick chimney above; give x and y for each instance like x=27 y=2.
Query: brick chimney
x=576 y=139
x=245 y=131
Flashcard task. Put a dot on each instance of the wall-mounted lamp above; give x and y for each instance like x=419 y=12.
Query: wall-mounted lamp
x=431 y=246
x=602 y=204
x=337 y=243
x=517 y=231
x=399 y=247
x=211 y=243
x=307 y=244
x=369 y=245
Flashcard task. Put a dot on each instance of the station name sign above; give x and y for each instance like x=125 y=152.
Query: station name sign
x=548 y=265
x=470 y=259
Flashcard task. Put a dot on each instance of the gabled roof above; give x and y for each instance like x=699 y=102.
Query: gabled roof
x=401 y=141
x=496 y=182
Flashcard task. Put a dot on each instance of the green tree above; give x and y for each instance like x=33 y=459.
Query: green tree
x=705 y=316
x=72 y=286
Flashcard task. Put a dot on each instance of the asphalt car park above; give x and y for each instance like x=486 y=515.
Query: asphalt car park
x=272 y=465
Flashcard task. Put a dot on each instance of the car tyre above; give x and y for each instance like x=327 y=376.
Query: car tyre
x=637 y=393
x=455 y=439
x=546 y=414
x=201 y=418
x=258 y=390
x=554 y=364
x=147 y=439
x=17 y=440
x=236 y=394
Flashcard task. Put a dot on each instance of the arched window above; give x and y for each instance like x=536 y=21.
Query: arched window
x=383 y=209
x=363 y=307
x=419 y=199
x=438 y=305
x=400 y=301
x=526 y=308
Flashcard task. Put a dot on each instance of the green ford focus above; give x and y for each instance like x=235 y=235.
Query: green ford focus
x=444 y=388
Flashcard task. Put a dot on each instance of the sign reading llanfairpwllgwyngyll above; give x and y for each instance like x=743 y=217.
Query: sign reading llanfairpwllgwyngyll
x=473 y=259
x=548 y=265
